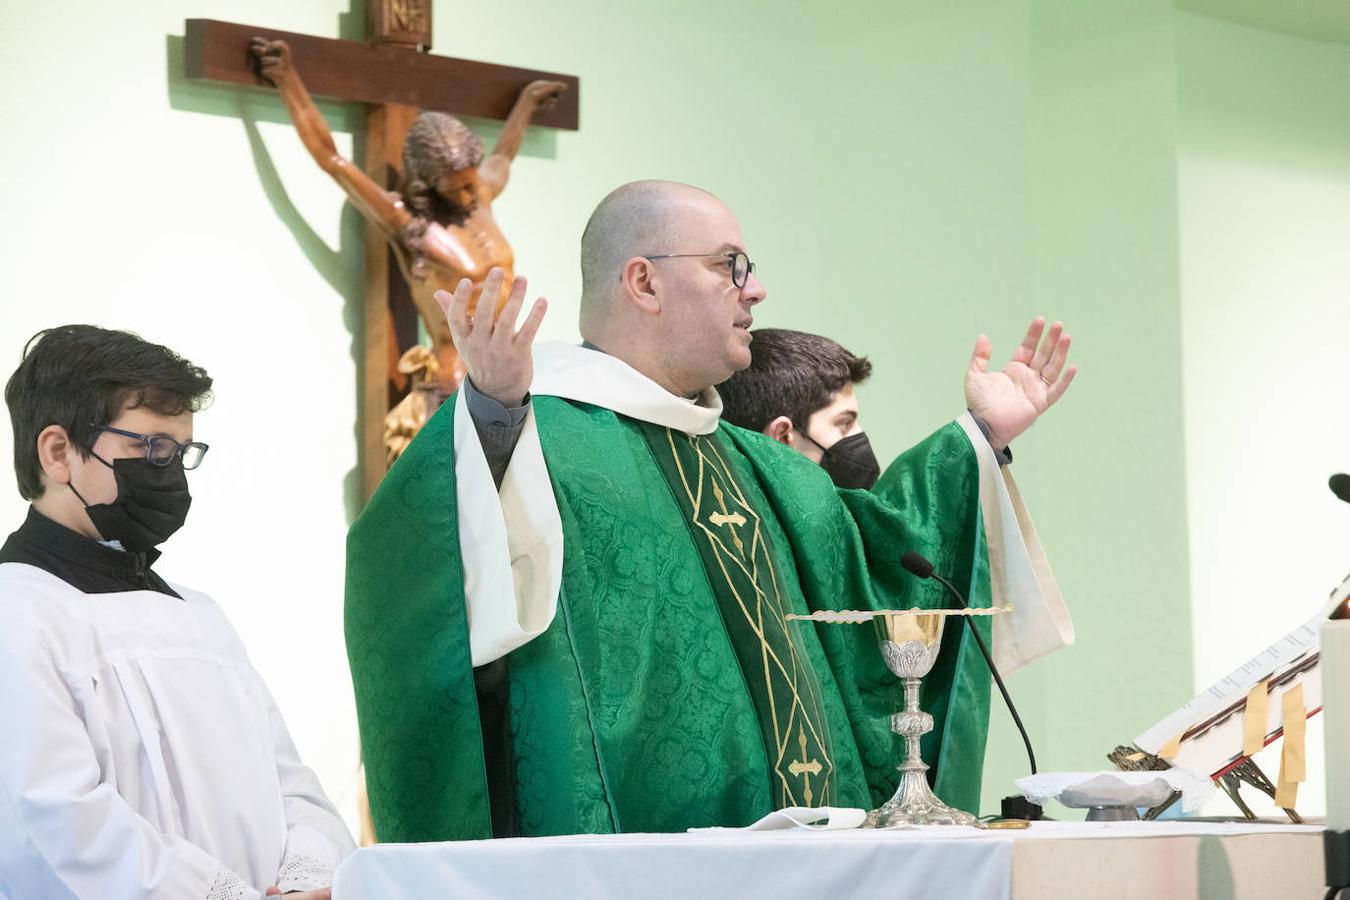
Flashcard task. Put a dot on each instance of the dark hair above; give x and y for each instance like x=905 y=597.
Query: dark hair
x=791 y=374
x=79 y=377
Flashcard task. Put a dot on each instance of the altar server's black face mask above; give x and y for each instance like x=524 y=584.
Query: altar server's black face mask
x=849 y=461
x=152 y=503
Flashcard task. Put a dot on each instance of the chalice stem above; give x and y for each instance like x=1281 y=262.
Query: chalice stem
x=914 y=802
x=912 y=733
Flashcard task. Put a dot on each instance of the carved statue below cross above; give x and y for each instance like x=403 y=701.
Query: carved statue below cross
x=412 y=412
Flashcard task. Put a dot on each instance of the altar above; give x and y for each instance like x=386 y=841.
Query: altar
x=1081 y=860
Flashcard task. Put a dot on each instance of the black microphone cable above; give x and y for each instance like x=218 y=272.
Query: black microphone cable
x=918 y=565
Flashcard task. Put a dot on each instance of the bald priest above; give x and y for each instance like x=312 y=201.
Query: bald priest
x=567 y=602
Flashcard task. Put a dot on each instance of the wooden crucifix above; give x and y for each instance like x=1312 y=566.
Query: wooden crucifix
x=427 y=227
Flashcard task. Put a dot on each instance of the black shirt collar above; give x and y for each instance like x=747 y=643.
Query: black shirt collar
x=81 y=562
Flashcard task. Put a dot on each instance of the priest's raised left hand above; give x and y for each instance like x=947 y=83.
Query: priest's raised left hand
x=496 y=355
x=1011 y=400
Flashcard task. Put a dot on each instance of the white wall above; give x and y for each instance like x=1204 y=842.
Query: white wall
x=1264 y=177
x=123 y=209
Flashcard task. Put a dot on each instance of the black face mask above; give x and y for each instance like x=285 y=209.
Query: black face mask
x=152 y=503
x=849 y=461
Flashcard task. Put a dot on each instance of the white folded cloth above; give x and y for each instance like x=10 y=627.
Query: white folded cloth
x=804 y=818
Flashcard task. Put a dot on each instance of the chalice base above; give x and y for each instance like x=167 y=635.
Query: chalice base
x=915 y=803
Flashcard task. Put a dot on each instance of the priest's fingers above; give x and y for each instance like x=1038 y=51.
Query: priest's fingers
x=1058 y=354
x=531 y=326
x=1047 y=346
x=456 y=309
x=506 y=319
x=979 y=360
x=1059 y=387
x=485 y=312
x=1027 y=349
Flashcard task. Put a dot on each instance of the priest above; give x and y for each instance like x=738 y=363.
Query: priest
x=567 y=603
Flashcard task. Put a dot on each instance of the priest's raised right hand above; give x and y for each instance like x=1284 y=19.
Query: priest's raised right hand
x=496 y=355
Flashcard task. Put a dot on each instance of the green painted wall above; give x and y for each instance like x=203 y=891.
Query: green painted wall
x=1025 y=167
x=907 y=175
x=1263 y=163
x=1110 y=469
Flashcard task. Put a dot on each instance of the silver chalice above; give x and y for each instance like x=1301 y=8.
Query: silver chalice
x=910 y=642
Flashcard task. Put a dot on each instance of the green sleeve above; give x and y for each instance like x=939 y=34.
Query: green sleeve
x=408 y=645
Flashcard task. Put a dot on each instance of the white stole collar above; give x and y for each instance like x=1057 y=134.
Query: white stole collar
x=594 y=377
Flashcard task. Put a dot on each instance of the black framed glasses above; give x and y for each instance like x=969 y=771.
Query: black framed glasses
x=741 y=266
x=161 y=449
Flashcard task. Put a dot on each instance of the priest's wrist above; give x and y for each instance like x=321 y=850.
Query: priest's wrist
x=511 y=401
x=1002 y=453
x=509 y=398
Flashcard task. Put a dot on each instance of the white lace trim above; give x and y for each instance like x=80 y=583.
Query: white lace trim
x=303 y=873
x=226 y=886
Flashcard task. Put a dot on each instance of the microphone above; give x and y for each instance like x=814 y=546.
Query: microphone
x=1340 y=486
x=919 y=566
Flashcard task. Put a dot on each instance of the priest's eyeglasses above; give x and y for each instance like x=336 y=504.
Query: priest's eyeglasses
x=741 y=266
x=161 y=449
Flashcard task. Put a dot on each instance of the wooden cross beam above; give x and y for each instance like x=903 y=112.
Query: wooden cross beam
x=396 y=79
x=379 y=74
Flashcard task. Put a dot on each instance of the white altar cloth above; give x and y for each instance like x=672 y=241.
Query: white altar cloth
x=1173 y=859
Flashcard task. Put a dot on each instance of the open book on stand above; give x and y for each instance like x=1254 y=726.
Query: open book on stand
x=1269 y=696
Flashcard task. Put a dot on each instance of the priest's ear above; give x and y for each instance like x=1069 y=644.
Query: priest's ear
x=780 y=429
x=638 y=278
x=53 y=449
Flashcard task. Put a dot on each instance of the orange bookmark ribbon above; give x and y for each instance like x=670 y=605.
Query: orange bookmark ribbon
x=1293 y=759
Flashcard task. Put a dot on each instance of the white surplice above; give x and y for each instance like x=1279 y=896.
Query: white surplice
x=512 y=543
x=141 y=755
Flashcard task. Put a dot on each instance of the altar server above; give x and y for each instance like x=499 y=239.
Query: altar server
x=142 y=755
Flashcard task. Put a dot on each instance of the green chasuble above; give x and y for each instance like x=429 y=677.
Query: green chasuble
x=669 y=691
x=742 y=574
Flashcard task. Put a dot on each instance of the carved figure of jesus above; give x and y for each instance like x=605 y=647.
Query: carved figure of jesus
x=440 y=226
